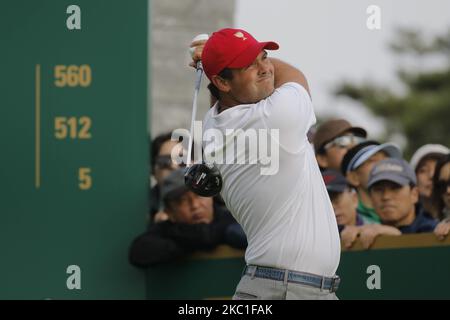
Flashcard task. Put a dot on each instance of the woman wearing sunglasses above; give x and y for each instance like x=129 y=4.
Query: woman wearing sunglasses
x=441 y=195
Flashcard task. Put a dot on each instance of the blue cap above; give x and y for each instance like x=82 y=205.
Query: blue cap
x=394 y=170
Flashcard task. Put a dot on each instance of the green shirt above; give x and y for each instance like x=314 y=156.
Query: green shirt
x=368 y=215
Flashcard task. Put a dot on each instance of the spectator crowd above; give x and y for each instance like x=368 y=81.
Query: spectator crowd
x=373 y=189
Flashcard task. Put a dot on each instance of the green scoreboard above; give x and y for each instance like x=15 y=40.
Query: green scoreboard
x=74 y=147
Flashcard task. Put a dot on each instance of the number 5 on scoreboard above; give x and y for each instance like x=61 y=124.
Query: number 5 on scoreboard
x=85 y=179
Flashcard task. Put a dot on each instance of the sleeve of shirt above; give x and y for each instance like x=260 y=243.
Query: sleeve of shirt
x=428 y=226
x=151 y=248
x=289 y=109
x=199 y=236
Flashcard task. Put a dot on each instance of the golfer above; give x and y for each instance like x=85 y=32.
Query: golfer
x=293 y=242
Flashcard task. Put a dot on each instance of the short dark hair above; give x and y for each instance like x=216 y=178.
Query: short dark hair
x=156 y=146
x=225 y=74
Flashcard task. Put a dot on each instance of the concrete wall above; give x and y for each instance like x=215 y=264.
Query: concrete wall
x=173 y=24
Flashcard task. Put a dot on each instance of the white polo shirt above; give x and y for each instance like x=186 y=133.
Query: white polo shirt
x=285 y=212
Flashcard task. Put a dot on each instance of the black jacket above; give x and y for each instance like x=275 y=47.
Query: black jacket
x=166 y=241
x=154 y=201
x=423 y=222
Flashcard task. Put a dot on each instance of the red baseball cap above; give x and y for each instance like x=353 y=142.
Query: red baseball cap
x=231 y=48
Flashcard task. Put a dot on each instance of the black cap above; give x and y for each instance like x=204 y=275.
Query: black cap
x=334 y=181
x=173 y=183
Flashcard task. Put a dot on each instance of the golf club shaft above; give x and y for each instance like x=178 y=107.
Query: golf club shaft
x=198 y=81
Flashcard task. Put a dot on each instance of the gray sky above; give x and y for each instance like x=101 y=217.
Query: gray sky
x=329 y=41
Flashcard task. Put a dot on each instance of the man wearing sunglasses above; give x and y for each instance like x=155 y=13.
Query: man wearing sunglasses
x=161 y=166
x=332 y=141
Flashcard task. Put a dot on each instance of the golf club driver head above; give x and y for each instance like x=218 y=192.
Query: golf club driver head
x=203 y=179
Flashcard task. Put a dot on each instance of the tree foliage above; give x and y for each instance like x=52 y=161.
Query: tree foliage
x=422 y=112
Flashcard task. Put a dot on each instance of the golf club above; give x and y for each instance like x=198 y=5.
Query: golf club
x=203 y=178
